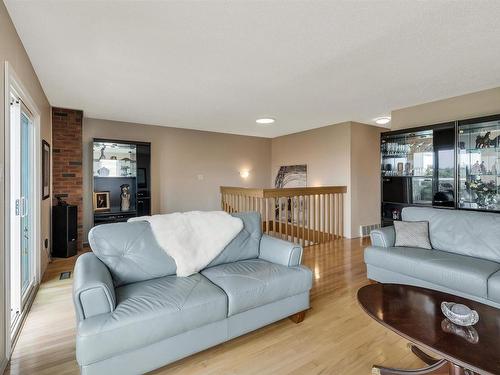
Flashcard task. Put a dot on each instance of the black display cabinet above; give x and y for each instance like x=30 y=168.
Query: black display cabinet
x=119 y=165
x=64 y=231
x=455 y=165
x=417 y=169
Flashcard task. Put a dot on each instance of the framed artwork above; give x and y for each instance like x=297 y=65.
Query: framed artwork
x=45 y=170
x=291 y=176
x=101 y=201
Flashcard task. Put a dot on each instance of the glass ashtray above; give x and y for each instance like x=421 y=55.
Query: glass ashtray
x=459 y=314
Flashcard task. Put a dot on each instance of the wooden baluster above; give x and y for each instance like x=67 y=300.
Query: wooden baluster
x=320 y=231
x=337 y=215
x=323 y=197
x=273 y=213
x=330 y=217
x=341 y=214
x=286 y=217
x=266 y=215
x=308 y=220
x=301 y=221
x=292 y=217
x=327 y=217
x=315 y=228
x=335 y=207
x=279 y=217
x=323 y=211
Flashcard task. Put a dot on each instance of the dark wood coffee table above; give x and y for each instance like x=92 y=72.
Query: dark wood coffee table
x=415 y=314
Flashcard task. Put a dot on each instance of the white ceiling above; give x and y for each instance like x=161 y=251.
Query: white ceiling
x=219 y=65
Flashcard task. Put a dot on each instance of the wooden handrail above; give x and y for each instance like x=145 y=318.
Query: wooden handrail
x=287 y=192
x=307 y=215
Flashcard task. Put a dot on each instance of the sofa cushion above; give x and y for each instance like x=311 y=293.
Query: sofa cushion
x=463 y=232
x=149 y=311
x=255 y=282
x=246 y=244
x=494 y=287
x=412 y=234
x=462 y=273
x=130 y=252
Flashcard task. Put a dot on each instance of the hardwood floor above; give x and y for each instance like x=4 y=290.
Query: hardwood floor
x=336 y=337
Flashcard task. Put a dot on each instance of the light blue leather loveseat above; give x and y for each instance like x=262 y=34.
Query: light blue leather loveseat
x=464 y=261
x=134 y=314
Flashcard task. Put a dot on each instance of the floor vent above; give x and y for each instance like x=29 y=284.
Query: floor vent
x=65 y=275
x=364 y=230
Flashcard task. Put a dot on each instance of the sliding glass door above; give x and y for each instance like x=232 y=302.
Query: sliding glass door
x=22 y=275
x=26 y=217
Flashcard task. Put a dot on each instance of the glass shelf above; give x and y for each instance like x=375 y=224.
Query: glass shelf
x=409 y=154
x=114 y=160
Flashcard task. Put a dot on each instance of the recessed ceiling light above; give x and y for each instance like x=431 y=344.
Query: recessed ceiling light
x=264 y=121
x=383 y=120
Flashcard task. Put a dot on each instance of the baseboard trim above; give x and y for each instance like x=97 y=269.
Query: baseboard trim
x=23 y=317
x=3 y=365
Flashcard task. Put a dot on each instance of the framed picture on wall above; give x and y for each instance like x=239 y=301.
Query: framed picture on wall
x=101 y=201
x=45 y=170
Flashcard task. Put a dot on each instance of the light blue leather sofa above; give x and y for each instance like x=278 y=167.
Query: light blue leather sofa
x=464 y=261
x=134 y=314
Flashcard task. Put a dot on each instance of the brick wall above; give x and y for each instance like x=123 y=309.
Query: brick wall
x=67 y=160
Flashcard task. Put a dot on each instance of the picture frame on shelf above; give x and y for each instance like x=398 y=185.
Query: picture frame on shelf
x=101 y=201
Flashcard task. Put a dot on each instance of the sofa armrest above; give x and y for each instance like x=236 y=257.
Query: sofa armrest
x=93 y=289
x=383 y=237
x=281 y=252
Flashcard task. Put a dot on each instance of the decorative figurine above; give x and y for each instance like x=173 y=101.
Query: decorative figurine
x=484 y=141
x=495 y=141
x=125 y=197
x=476 y=168
x=483 y=167
x=102 y=153
x=103 y=172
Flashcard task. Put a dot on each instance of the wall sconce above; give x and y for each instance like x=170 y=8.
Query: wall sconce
x=245 y=173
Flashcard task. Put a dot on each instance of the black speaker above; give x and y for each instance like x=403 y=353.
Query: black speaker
x=64 y=231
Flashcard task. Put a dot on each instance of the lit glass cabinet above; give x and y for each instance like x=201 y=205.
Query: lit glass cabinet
x=410 y=156
x=478 y=155
x=114 y=159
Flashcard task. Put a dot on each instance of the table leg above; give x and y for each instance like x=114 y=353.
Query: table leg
x=426 y=358
x=442 y=367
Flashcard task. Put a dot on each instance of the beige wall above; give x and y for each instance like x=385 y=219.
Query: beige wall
x=365 y=176
x=179 y=157
x=326 y=151
x=481 y=103
x=345 y=154
x=11 y=50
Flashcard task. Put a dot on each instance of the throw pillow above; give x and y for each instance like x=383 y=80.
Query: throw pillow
x=412 y=234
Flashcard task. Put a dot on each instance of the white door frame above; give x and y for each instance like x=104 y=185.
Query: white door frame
x=13 y=83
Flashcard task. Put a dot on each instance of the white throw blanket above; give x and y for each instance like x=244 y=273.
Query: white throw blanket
x=193 y=238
